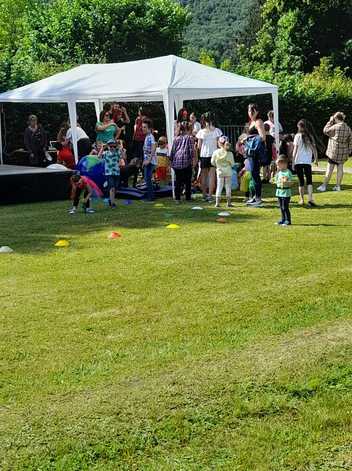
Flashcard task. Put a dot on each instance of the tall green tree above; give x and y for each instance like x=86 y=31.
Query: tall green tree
x=217 y=26
x=54 y=35
x=295 y=35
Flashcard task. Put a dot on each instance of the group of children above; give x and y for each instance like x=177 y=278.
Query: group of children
x=157 y=165
x=113 y=155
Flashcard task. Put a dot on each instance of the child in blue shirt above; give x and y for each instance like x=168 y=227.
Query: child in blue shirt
x=111 y=156
x=283 y=182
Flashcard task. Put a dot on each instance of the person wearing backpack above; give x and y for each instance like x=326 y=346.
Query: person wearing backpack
x=256 y=151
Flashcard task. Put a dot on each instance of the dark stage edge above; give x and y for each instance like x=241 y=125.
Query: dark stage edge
x=31 y=184
x=20 y=184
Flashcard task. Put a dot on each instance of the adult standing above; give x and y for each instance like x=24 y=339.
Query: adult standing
x=207 y=145
x=106 y=128
x=256 y=131
x=339 y=148
x=182 y=159
x=119 y=114
x=84 y=145
x=120 y=118
x=138 y=136
x=195 y=124
x=35 y=142
x=271 y=123
x=304 y=153
x=149 y=157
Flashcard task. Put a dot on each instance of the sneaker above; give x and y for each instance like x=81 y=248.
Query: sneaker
x=217 y=205
x=90 y=210
x=230 y=205
x=113 y=206
x=301 y=202
x=337 y=188
x=72 y=211
x=256 y=203
x=210 y=199
x=279 y=223
x=321 y=188
x=311 y=204
x=286 y=223
x=205 y=199
x=250 y=201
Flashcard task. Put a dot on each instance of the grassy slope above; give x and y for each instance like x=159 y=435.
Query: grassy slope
x=212 y=347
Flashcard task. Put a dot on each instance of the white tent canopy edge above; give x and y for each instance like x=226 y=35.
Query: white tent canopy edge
x=182 y=80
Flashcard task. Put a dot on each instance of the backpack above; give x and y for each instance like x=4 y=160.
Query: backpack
x=255 y=149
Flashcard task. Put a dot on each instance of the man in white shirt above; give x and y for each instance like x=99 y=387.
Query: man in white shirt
x=84 y=145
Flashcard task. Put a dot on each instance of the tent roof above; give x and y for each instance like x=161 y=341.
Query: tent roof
x=143 y=80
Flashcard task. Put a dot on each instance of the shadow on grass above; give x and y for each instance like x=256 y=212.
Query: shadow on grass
x=323 y=225
x=36 y=227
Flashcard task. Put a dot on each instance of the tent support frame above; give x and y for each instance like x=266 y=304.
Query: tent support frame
x=1 y=150
x=72 y=111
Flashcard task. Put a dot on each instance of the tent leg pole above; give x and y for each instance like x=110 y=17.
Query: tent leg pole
x=98 y=108
x=1 y=151
x=170 y=115
x=73 y=121
x=275 y=99
x=178 y=104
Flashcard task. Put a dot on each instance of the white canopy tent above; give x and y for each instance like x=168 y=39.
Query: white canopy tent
x=169 y=79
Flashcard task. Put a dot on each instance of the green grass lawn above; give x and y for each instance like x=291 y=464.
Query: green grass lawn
x=215 y=346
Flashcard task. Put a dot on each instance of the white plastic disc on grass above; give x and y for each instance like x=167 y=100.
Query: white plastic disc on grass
x=197 y=208
x=224 y=214
x=5 y=249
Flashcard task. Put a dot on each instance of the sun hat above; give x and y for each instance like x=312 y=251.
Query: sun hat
x=111 y=142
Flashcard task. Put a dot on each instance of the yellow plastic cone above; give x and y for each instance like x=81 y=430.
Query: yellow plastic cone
x=62 y=243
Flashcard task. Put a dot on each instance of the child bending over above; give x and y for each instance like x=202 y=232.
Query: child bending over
x=81 y=186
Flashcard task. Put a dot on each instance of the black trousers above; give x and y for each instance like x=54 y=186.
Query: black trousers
x=37 y=158
x=183 y=178
x=77 y=196
x=304 y=170
x=256 y=178
x=285 y=208
x=137 y=150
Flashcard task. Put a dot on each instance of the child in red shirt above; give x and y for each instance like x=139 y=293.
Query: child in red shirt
x=81 y=185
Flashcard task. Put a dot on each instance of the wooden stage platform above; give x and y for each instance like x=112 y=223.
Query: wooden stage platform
x=20 y=184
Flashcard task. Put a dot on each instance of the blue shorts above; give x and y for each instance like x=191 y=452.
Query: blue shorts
x=113 y=181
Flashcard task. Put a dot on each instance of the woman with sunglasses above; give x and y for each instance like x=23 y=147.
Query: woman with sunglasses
x=106 y=128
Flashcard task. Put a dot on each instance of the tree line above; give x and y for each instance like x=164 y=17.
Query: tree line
x=304 y=47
